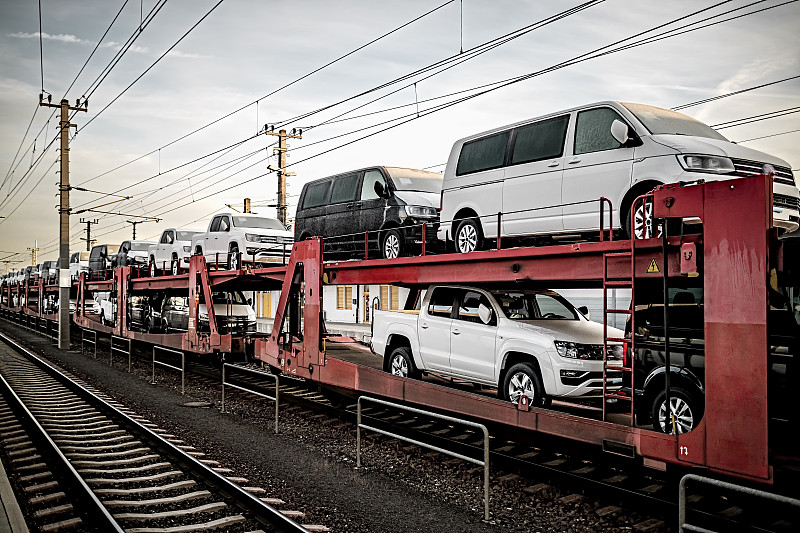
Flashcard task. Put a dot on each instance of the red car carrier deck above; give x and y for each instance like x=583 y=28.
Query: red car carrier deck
x=732 y=255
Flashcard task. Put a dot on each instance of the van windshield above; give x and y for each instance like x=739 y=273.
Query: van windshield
x=409 y=179
x=668 y=122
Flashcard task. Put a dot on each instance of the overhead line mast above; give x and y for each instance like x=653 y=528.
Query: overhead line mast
x=64 y=281
x=281 y=170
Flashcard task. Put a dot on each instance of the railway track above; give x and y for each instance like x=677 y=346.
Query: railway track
x=141 y=481
x=622 y=484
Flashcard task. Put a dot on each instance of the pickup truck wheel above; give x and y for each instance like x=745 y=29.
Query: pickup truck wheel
x=469 y=236
x=685 y=408
x=392 y=244
x=152 y=268
x=523 y=378
x=176 y=266
x=402 y=364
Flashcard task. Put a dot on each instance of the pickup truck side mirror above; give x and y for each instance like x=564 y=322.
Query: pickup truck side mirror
x=484 y=313
x=380 y=190
x=250 y=302
x=584 y=311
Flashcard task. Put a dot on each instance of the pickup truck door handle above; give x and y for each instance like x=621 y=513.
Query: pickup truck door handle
x=553 y=164
x=349 y=206
x=574 y=160
x=424 y=325
x=456 y=332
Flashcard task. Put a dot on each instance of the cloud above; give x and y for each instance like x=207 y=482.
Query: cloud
x=178 y=53
x=63 y=37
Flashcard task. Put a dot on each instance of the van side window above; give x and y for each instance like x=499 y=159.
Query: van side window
x=344 y=188
x=483 y=154
x=542 y=140
x=371 y=177
x=441 y=302
x=593 y=130
x=317 y=194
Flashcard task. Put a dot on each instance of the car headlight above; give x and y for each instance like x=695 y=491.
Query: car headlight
x=252 y=237
x=706 y=163
x=575 y=350
x=421 y=211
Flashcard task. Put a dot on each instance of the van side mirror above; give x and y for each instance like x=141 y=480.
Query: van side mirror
x=584 y=311
x=623 y=134
x=380 y=190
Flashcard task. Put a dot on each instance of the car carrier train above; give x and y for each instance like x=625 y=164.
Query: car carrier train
x=727 y=348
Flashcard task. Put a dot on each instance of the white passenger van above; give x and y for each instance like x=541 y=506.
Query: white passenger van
x=546 y=175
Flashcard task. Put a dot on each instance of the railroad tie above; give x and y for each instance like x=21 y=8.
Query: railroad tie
x=196 y=495
x=141 y=517
x=214 y=524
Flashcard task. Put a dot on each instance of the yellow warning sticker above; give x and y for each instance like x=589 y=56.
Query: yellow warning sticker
x=653 y=268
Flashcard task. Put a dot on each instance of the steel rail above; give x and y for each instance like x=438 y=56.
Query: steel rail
x=260 y=511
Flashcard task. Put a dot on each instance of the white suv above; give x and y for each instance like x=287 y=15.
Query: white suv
x=546 y=175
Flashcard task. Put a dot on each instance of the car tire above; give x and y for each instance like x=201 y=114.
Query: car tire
x=468 y=236
x=392 y=245
x=102 y=317
x=688 y=410
x=400 y=363
x=176 y=266
x=523 y=378
x=152 y=267
x=233 y=258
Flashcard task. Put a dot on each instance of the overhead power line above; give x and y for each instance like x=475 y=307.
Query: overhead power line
x=714 y=98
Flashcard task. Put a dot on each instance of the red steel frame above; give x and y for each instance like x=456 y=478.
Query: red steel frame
x=732 y=437
x=736 y=217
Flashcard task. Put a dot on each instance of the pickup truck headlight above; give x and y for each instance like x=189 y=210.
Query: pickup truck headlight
x=187 y=248
x=252 y=237
x=575 y=350
x=706 y=163
x=421 y=211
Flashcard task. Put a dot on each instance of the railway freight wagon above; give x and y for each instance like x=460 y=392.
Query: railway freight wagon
x=744 y=271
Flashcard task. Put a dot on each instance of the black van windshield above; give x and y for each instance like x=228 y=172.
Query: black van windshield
x=407 y=179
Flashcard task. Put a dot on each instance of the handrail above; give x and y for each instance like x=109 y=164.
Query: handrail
x=262 y=395
x=484 y=462
x=182 y=368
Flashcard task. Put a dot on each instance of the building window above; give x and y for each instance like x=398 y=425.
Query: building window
x=390 y=297
x=344 y=297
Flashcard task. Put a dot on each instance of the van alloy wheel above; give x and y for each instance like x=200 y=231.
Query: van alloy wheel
x=468 y=236
x=392 y=245
x=682 y=408
x=643 y=222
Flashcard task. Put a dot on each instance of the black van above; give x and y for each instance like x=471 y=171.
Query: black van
x=100 y=259
x=390 y=203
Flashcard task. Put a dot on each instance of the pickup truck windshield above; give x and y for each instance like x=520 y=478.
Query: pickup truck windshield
x=186 y=235
x=140 y=246
x=532 y=305
x=665 y=121
x=257 y=222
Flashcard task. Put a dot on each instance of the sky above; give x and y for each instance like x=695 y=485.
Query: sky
x=175 y=122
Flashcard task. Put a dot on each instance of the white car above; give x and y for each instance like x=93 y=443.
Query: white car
x=524 y=342
x=132 y=253
x=545 y=176
x=252 y=238
x=171 y=253
x=107 y=308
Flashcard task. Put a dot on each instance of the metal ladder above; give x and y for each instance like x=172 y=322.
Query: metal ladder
x=627 y=343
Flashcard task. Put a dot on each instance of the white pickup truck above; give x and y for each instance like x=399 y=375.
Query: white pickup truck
x=531 y=342
x=171 y=253
x=232 y=237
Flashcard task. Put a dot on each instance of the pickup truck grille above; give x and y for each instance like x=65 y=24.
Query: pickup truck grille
x=274 y=239
x=746 y=169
